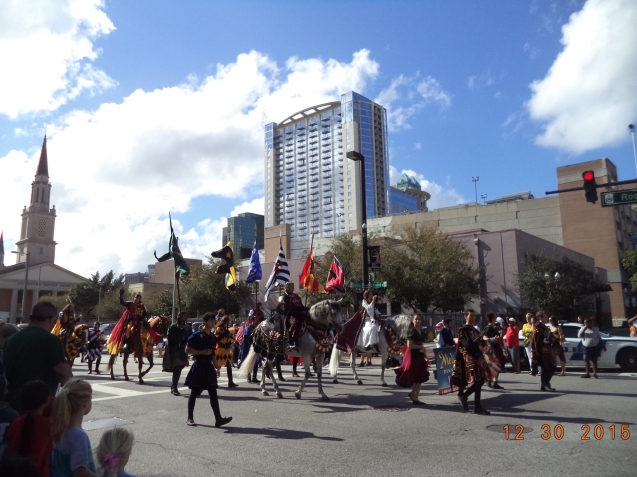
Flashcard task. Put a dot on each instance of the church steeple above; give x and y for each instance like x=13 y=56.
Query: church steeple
x=43 y=165
x=38 y=220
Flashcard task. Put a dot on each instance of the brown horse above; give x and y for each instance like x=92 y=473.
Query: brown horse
x=155 y=328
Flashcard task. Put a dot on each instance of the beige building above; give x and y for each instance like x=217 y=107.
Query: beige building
x=36 y=248
x=602 y=233
x=161 y=277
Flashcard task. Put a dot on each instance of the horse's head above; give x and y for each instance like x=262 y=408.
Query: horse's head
x=159 y=324
x=328 y=312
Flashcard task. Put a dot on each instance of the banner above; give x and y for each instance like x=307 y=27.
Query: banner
x=374 y=258
x=445 y=358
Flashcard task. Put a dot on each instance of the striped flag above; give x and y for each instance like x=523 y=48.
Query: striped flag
x=280 y=273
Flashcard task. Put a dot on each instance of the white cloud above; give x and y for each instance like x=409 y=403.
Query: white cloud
x=256 y=207
x=417 y=146
x=441 y=196
x=588 y=98
x=411 y=94
x=45 y=49
x=118 y=170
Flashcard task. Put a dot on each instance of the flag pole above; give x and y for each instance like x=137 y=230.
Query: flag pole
x=307 y=292
x=256 y=282
x=174 y=291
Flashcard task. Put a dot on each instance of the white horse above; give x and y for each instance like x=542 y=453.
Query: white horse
x=399 y=324
x=327 y=312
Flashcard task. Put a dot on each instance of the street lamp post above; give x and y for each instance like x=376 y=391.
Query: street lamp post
x=358 y=157
x=631 y=127
x=26 y=280
x=99 y=300
x=484 y=198
x=475 y=184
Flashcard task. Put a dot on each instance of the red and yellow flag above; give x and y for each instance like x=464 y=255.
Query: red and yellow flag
x=307 y=278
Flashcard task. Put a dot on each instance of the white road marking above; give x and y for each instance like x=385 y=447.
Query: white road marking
x=628 y=375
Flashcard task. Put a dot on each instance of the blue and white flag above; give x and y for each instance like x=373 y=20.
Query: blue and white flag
x=254 y=272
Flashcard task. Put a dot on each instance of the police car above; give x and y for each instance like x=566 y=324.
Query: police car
x=618 y=351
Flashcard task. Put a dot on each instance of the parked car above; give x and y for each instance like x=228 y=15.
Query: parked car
x=618 y=351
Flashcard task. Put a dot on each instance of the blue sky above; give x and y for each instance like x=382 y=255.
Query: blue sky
x=159 y=105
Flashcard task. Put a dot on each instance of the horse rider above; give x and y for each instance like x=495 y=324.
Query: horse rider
x=295 y=313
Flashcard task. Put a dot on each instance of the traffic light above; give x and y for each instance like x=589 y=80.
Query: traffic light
x=590 y=186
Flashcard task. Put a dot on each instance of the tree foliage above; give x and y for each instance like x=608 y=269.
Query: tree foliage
x=205 y=290
x=629 y=262
x=85 y=296
x=563 y=295
x=427 y=270
x=349 y=252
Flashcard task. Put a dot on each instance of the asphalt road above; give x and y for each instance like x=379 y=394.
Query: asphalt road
x=370 y=430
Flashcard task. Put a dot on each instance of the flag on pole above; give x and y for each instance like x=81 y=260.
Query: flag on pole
x=280 y=273
x=227 y=254
x=181 y=266
x=307 y=278
x=254 y=271
x=335 y=278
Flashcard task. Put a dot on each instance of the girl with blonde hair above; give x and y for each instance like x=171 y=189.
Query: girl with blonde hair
x=113 y=452
x=72 y=453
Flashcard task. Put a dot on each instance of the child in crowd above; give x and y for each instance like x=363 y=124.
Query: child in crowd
x=30 y=435
x=72 y=453
x=114 y=451
x=7 y=414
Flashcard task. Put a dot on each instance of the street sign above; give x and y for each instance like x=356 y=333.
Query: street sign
x=620 y=197
x=359 y=285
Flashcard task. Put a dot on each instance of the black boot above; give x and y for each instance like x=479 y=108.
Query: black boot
x=231 y=383
x=478 y=407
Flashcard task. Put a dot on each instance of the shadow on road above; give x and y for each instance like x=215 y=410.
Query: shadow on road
x=274 y=433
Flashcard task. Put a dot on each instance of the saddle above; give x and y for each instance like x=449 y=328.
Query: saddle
x=320 y=333
x=270 y=338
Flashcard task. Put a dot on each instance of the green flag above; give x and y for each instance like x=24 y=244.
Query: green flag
x=181 y=267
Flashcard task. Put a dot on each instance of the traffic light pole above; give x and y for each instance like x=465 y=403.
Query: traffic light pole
x=608 y=184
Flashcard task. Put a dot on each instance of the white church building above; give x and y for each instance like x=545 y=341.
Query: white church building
x=35 y=254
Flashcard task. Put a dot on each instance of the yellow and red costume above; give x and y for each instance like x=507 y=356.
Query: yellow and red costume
x=64 y=328
x=225 y=340
x=132 y=332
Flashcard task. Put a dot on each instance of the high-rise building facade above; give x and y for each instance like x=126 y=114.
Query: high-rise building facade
x=241 y=232
x=309 y=182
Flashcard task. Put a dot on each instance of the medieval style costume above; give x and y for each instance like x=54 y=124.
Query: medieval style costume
x=415 y=367
x=542 y=353
x=470 y=369
x=295 y=315
x=369 y=337
x=65 y=329
x=225 y=340
x=131 y=331
x=203 y=375
x=93 y=349
x=246 y=342
x=175 y=357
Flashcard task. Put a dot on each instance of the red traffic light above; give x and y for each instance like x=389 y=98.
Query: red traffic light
x=588 y=175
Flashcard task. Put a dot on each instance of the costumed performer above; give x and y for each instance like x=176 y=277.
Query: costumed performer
x=368 y=338
x=225 y=338
x=247 y=342
x=65 y=329
x=205 y=370
x=131 y=335
x=470 y=369
x=93 y=348
x=295 y=313
x=542 y=346
x=175 y=357
x=493 y=341
x=414 y=368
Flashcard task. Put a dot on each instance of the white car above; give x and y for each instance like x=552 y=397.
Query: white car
x=618 y=351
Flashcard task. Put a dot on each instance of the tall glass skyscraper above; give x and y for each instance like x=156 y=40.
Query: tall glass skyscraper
x=241 y=232
x=309 y=182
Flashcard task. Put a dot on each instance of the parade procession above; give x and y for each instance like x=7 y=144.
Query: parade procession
x=318 y=238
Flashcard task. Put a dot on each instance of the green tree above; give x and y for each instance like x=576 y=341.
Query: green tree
x=85 y=296
x=559 y=287
x=427 y=270
x=629 y=262
x=59 y=301
x=349 y=252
